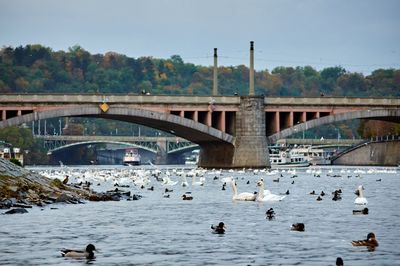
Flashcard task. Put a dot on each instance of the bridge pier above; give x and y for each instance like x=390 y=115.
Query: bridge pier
x=250 y=147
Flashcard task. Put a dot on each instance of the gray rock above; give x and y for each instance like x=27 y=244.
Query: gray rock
x=5 y=204
x=14 y=211
x=64 y=198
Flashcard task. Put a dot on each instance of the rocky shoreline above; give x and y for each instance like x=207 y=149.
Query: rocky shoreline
x=21 y=189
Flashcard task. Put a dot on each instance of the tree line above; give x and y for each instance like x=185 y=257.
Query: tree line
x=35 y=68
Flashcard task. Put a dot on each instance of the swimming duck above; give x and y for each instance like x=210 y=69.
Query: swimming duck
x=219 y=229
x=136 y=197
x=339 y=261
x=312 y=192
x=270 y=213
x=297 y=227
x=369 y=242
x=360 y=200
x=187 y=196
x=337 y=196
x=363 y=211
x=87 y=253
x=319 y=198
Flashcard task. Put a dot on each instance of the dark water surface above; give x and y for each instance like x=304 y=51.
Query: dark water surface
x=169 y=231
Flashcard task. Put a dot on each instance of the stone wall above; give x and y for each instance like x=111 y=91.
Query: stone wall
x=373 y=154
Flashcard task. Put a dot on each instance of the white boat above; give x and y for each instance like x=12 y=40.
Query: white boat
x=131 y=157
x=287 y=159
x=193 y=158
x=315 y=156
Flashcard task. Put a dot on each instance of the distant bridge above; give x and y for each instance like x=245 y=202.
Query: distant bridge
x=168 y=145
x=162 y=146
x=232 y=131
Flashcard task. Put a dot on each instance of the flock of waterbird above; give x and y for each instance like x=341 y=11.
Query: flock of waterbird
x=142 y=178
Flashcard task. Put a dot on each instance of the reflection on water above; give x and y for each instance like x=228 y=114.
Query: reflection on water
x=169 y=231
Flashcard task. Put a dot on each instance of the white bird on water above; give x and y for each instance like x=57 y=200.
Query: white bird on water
x=266 y=195
x=197 y=183
x=184 y=181
x=244 y=196
x=360 y=200
x=168 y=182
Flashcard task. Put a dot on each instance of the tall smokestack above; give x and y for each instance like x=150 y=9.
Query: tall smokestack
x=251 y=74
x=215 y=84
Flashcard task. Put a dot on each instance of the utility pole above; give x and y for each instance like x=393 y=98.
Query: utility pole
x=251 y=73
x=215 y=83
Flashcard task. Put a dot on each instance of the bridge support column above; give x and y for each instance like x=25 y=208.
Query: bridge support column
x=251 y=149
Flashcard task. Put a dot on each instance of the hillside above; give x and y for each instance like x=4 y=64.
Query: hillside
x=35 y=68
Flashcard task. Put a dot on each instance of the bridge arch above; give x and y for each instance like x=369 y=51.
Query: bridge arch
x=377 y=114
x=101 y=142
x=191 y=130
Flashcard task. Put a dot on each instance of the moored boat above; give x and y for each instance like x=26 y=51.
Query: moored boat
x=287 y=159
x=132 y=157
x=315 y=156
x=193 y=158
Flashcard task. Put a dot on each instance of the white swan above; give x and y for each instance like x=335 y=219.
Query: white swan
x=197 y=183
x=168 y=182
x=244 y=196
x=184 y=181
x=266 y=195
x=360 y=200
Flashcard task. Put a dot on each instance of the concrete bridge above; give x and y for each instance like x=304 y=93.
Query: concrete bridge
x=232 y=131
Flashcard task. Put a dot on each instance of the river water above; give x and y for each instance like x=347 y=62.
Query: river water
x=170 y=231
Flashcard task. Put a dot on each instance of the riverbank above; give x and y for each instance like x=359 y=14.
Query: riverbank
x=21 y=189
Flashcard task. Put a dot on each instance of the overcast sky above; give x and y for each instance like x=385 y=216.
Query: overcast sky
x=359 y=35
